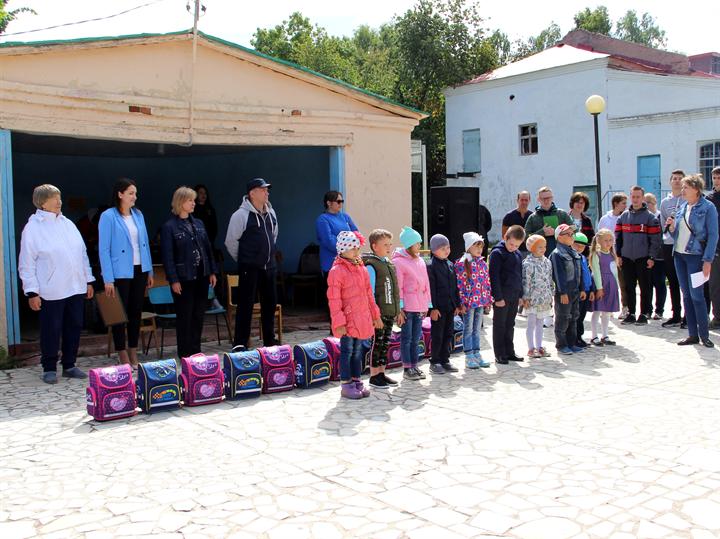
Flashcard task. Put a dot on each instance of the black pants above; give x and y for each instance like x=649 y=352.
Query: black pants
x=441 y=335
x=190 y=307
x=132 y=294
x=636 y=272
x=658 y=287
x=566 y=317
x=672 y=278
x=254 y=281
x=382 y=341
x=504 y=328
x=583 y=307
x=60 y=318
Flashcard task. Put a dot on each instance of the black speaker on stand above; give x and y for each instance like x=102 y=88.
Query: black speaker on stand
x=454 y=211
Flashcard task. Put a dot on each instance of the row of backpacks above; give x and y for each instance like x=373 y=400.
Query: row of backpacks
x=206 y=379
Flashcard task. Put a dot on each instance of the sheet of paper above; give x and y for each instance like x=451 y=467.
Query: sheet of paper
x=698 y=279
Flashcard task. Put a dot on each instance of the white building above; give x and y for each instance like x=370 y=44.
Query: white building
x=524 y=125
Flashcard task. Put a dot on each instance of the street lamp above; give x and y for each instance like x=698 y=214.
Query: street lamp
x=595 y=104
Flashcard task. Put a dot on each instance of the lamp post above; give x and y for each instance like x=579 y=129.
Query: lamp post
x=595 y=104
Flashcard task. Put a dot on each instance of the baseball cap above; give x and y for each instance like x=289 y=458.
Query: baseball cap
x=255 y=183
x=579 y=237
x=564 y=228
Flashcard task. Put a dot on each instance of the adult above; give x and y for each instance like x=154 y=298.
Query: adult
x=579 y=204
x=125 y=263
x=328 y=225
x=484 y=226
x=695 y=230
x=251 y=238
x=608 y=221
x=637 y=244
x=546 y=218
x=205 y=212
x=190 y=267
x=56 y=278
x=658 y=288
x=714 y=197
x=518 y=216
x=668 y=205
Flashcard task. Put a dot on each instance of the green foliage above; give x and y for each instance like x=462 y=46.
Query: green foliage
x=6 y=17
x=644 y=30
x=534 y=44
x=597 y=20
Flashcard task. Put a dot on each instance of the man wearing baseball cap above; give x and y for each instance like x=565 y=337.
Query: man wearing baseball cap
x=567 y=274
x=250 y=240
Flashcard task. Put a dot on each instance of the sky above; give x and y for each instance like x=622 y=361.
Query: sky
x=689 y=26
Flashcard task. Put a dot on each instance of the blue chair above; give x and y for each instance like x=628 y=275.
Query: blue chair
x=218 y=311
x=162 y=300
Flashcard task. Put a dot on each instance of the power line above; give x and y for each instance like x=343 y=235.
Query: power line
x=86 y=20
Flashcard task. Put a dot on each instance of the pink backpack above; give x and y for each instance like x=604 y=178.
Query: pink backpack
x=111 y=393
x=278 y=368
x=202 y=379
x=394 y=359
x=426 y=328
x=332 y=345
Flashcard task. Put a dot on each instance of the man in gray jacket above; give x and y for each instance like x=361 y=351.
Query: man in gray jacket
x=668 y=205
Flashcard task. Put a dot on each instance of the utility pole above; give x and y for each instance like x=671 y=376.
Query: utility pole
x=191 y=100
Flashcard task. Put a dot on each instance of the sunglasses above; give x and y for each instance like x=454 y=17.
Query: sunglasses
x=340 y=201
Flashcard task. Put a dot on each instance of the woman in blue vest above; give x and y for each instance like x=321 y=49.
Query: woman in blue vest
x=328 y=225
x=125 y=262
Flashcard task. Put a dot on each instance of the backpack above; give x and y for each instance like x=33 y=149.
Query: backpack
x=243 y=376
x=312 y=365
x=332 y=345
x=278 y=369
x=202 y=380
x=457 y=342
x=111 y=393
x=158 y=386
x=394 y=357
x=426 y=340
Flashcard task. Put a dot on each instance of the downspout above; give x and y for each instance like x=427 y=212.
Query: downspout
x=191 y=104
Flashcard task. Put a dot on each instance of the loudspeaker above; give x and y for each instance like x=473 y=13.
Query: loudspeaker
x=454 y=211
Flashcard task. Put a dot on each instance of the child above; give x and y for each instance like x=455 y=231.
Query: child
x=445 y=304
x=603 y=262
x=353 y=312
x=538 y=292
x=580 y=243
x=506 y=287
x=383 y=280
x=474 y=285
x=567 y=274
x=414 y=289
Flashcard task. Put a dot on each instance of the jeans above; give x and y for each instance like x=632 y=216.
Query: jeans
x=60 y=318
x=472 y=321
x=693 y=298
x=410 y=339
x=504 y=328
x=583 y=307
x=351 y=358
x=566 y=316
x=441 y=335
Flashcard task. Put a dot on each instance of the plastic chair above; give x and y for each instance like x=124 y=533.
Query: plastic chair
x=232 y=282
x=218 y=311
x=161 y=296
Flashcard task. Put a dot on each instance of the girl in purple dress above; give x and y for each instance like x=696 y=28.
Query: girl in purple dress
x=603 y=263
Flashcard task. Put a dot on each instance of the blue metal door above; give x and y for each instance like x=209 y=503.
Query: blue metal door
x=8 y=234
x=648 y=174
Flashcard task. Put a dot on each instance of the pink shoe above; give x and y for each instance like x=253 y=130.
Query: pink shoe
x=361 y=388
x=350 y=391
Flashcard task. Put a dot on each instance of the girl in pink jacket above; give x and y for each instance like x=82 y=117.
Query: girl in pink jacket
x=414 y=288
x=353 y=312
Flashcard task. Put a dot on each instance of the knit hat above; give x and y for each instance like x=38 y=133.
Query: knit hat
x=533 y=240
x=347 y=240
x=471 y=238
x=409 y=237
x=563 y=228
x=437 y=241
x=579 y=237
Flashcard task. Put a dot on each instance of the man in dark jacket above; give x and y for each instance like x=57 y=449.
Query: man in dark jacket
x=484 y=226
x=445 y=300
x=546 y=218
x=637 y=244
x=714 y=285
x=250 y=240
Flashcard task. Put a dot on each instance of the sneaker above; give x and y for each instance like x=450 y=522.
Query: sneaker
x=674 y=322
x=365 y=392
x=582 y=344
x=577 y=349
x=420 y=373
x=629 y=319
x=531 y=352
x=349 y=391
x=470 y=363
x=537 y=354
x=378 y=382
x=436 y=368
x=565 y=350
x=543 y=352
x=641 y=320
x=607 y=341
x=482 y=363
x=389 y=381
x=449 y=367
x=49 y=377
x=410 y=374
x=73 y=372
x=595 y=341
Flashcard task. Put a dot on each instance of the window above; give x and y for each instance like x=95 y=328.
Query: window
x=715 y=67
x=528 y=139
x=471 y=150
x=709 y=159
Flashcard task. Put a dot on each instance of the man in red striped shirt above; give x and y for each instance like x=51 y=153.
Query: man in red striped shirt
x=638 y=244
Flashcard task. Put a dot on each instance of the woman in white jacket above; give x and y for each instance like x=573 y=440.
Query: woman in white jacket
x=56 y=277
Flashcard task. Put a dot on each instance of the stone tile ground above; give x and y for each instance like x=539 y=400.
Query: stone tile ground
x=619 y=442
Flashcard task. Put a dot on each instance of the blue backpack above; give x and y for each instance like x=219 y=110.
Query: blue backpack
x=457 y=342
x=312 y=365
x=158 y=386
x=242 y=374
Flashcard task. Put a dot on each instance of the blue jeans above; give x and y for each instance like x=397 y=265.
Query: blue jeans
x=693 y=298
x=472 y=321
x=351 y=358
x=410 y=339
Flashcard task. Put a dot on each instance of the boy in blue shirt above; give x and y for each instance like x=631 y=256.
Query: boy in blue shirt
x=567 y=274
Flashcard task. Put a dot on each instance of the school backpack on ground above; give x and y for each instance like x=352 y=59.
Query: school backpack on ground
x=426 y=339
x=243 y=378
x=158 y=386
x=457 y=342
x=111 y=393
x=278 y=369
x=394 y=358
x=202 y=380
x=312 y=365
x=332 y=345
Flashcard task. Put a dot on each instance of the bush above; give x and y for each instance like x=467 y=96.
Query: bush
x=6 y=362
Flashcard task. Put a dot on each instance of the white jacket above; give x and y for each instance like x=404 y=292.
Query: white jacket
x=53 y=260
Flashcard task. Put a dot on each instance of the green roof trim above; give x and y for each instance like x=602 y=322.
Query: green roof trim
x=220 y=41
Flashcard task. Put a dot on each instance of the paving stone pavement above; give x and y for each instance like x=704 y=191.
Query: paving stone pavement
x=618 y=442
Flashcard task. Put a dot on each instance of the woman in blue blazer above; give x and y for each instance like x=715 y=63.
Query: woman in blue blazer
x=125 y=263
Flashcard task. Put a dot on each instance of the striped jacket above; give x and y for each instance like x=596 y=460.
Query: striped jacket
x=637 y=234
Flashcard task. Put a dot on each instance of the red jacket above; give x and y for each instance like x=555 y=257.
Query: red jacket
x=351 y=300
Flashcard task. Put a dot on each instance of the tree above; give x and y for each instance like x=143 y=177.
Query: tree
x=597 y=20
x=644 y=31
x=545 y=39
x=6 y=17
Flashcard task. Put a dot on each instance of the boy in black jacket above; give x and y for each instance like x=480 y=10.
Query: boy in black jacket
x=445 y=304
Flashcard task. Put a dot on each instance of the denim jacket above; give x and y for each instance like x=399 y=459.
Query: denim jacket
x=185 y=247
x=703 y=224
x=567 y=269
